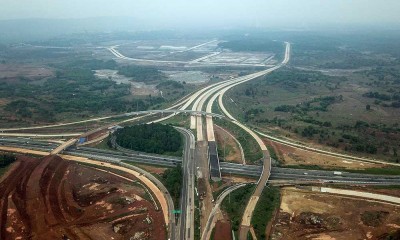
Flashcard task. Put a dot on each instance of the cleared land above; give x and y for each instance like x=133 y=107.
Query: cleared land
x=346 y=99
x=228 y=149
x=290 y=156
x=51 y=198
x=310 y=215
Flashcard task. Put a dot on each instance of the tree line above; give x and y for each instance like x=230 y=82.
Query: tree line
x=151 y=138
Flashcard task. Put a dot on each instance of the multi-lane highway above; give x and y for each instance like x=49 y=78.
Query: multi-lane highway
x=196 y=102
x=211 y=218
x=186 y=230
x=252 y=171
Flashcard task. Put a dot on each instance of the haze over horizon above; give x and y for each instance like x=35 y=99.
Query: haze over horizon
x=223 y=13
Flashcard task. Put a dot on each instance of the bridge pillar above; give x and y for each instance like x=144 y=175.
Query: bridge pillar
x=215 y=171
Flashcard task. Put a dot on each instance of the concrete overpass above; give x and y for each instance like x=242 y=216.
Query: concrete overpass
x=175 y=111
x=73 y=141
x=64 y=146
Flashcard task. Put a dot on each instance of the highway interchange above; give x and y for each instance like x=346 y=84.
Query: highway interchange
x=252 y=171
x=199 y=104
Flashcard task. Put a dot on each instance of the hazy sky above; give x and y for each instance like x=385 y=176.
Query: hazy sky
x=255 y=13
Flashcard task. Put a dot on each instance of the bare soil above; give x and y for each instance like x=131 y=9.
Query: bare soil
x=223 y=230
x=295 y=156
x=3 y=102
x=232 y=149
x=97 y=135
x=51 y=198
x=312 y=215
x=154 y=170
x=14 y=72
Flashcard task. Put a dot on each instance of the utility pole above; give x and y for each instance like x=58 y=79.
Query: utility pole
x=230 y=176
x=224 y=148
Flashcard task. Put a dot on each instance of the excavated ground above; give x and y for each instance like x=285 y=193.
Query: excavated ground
x=51 y=198
x=311 y=215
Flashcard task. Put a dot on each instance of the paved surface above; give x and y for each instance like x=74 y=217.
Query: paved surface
x=339 y=155
x=379 y=197
x=226 y=168
x=63 y=146
x=267 y=162
x=151 y=182
x=237 y=142
x=191 y=63
x=215 y=171
x=186 y=221
x=211 y=218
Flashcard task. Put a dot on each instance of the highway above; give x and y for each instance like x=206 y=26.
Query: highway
x=211 y=218
x=196 y=101
x=196 y=62
x=310 y=175
x=186 y=220
x=248 y=213
x=153 y=184
x=226 y=168
x=324 y=152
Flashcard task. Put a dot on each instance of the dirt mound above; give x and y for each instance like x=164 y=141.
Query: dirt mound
x=223 y=230
x=390 y=236
x=373 y=218
x=310 y=215
x=51 y=198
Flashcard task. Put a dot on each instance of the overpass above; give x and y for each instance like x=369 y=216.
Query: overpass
x=73 y=141
x=175 y=111
x=64 y=146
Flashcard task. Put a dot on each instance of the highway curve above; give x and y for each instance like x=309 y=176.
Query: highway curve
x=248 y=213
x=152 y=183
x=51 y=198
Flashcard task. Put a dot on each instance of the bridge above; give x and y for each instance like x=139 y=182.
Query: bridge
x=177 y=111
x=71 y=142
x=64 y=146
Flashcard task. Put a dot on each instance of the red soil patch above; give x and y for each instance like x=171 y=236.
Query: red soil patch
x=223 y=230
x=52 y=198
x=97 y=134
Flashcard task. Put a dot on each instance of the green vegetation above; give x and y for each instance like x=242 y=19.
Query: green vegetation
x=92 y=64
x=253 y=45
x=172 y=179
x=323 y=106
x=272 y=154
x=151 y=138
x=373 y=218
x=377 y=171
x=321 y=109
x=142 y=73
x=316 y=104
x=171 y=84
x=172 y=90
x=74 y=90
x=217 y=193
x=251 y=149
x=385 y=97
x=263 y=213
x=5 y=161
x=197 y=214
x=393 y=187
x=105 y=144
x=234 y=205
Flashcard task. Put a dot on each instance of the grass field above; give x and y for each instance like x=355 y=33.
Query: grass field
x=269 y=201
x=234 y=204
x=329 y=110
x=251 y=149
